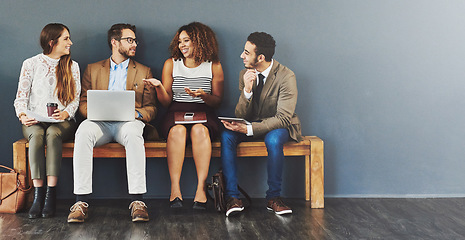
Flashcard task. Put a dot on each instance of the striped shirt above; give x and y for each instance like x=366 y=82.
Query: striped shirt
x=193 y=78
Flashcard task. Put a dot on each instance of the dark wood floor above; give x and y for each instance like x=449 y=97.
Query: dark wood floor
x=341 y=219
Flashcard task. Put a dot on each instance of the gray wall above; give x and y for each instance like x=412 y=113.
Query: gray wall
x=381 y=82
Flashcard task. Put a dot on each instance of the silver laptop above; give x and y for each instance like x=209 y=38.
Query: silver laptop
x=105 y=105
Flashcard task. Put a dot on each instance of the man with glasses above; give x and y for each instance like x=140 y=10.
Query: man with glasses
x=117 y=73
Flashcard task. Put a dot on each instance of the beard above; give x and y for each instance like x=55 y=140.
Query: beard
x=252 y=65
x=125 y=53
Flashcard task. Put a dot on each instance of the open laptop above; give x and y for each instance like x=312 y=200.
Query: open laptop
x=105 y=105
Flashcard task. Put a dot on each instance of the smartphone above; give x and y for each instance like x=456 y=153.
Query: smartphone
x=189 y=116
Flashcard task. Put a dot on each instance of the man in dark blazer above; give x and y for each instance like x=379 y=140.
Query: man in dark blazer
x=119 y=72
x=268 y=99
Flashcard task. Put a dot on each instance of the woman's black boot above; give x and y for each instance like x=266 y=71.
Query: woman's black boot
x=36 y=208
x=50 y=202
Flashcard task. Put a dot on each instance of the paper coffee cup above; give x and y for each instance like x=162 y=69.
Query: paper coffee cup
x=51 y=107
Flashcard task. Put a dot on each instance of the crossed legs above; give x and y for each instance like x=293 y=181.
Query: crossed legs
x=201 y=150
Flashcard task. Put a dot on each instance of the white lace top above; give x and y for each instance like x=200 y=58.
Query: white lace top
x=37 y=84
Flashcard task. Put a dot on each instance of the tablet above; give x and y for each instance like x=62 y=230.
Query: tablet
x=231 y=119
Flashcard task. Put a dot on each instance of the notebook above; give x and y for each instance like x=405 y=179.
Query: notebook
x=105 y=105
x=40 y=118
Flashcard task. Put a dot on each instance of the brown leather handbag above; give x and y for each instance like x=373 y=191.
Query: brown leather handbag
x=217 y=186
x=13 y=191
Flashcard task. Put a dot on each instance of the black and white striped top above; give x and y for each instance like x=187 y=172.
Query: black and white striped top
x=193 y=78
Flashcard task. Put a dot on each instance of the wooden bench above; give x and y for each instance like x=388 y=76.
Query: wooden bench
x=311 y=148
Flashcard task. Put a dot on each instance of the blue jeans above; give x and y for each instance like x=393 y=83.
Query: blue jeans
x=274 y=141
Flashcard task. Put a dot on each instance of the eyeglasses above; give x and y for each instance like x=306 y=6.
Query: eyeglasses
x=130 y=40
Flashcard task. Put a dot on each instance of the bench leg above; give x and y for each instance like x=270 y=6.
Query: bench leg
x=317 y=173
x=307 y=178
x=19 y=157
x=20 y=164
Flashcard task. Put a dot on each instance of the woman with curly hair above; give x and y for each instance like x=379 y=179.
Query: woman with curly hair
x=192 y=82
x=49 y=77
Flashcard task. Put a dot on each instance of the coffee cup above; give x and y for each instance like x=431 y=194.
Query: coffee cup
x=51 y=107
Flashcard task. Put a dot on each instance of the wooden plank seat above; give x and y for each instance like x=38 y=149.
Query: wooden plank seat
x=311 y=148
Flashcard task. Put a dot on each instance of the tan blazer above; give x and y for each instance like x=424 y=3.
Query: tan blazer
x=276 y=105
x=97 y=77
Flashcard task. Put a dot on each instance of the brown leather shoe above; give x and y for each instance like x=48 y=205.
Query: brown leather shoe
x=139 y=211
x=78 y=212
x=277 y=206
x=233 y=206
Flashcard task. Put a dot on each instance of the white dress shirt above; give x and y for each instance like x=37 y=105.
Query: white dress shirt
x=249 y=95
